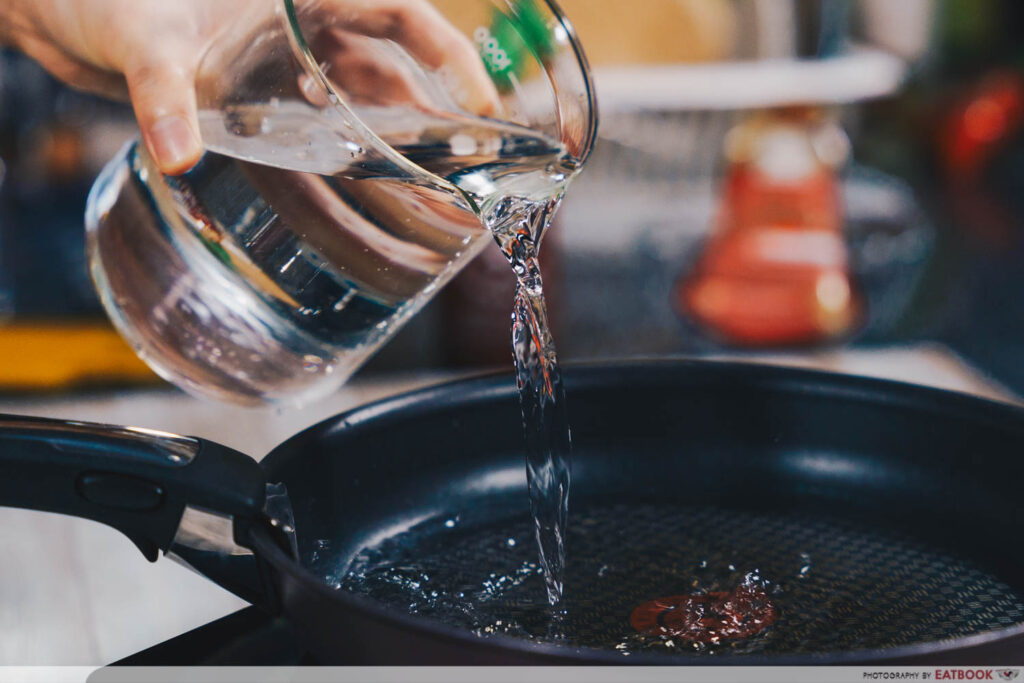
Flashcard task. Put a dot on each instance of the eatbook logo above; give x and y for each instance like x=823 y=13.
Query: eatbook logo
x=1008 y=674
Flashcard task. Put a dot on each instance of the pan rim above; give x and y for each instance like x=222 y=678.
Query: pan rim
x=501 y=385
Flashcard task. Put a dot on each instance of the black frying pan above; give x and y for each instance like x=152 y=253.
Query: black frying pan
x=908 y=499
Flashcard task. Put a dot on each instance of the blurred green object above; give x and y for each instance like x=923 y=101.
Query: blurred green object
x=967 y=27
x=510 y=39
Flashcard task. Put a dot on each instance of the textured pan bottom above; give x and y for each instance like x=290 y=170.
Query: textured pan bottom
x=833 y=585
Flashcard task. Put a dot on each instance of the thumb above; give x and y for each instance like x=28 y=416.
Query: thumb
x=163 y=96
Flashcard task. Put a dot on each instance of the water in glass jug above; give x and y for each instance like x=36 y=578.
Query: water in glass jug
x=345 y=179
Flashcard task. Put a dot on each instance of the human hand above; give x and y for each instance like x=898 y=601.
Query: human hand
x=148 y=51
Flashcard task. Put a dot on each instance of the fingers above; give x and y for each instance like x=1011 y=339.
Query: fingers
x=366 y=71
x=163 y=96
x=421 y=29
x=74 y=72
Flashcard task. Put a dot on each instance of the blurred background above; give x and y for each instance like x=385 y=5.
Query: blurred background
x=780 y=178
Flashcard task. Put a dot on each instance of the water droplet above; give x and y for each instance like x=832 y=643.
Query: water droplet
x=511 y=542
x=603 y=570
x=805 y=566
x=243 y=122
x=341 y=303
x=450 y=523
x=311 y=363
x=284 y=269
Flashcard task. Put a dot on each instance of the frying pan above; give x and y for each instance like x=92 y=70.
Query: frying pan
x=918 y=478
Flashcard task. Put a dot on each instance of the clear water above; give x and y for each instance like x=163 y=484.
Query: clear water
x=289 y=254
x=819 y=584
x=519 y=230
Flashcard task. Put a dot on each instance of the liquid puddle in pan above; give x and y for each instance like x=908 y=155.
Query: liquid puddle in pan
x=714 y=582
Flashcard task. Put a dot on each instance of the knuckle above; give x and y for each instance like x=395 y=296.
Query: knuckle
x=165 y=68
x=398 y=20
x=142 y=74
x=375 y=73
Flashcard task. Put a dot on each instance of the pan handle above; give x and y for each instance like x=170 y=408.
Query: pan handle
x=138 y=481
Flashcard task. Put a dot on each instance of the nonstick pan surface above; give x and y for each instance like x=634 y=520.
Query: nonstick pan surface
x=887 y=513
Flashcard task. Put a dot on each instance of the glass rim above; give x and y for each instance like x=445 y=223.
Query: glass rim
x=588 y=76
x=310 y=63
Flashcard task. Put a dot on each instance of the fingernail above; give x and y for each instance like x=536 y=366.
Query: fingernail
x=174 y=143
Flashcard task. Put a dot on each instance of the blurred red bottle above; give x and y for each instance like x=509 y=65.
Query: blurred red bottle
x=977 y=132
x=775 y=271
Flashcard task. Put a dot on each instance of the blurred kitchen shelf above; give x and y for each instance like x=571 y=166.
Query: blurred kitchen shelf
x=860 y=74
x=46 y=355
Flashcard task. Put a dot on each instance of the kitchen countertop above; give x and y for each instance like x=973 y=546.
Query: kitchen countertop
x=78 y=593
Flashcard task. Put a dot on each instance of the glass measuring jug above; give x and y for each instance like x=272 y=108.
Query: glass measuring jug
x=343 y=182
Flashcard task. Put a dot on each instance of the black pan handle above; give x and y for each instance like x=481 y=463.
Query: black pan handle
x=135 y=480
